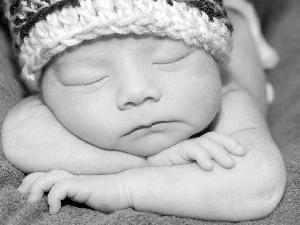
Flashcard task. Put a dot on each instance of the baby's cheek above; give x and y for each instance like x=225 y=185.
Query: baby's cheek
x=209 y=103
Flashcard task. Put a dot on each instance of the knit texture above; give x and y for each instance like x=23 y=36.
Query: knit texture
x=42 y=29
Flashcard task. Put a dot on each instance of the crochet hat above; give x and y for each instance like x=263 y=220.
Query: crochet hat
x=43 y=28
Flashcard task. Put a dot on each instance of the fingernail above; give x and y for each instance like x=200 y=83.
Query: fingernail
x=21 y=189
x=208 y=162
x=229 y=159
x=241 y=149
x=30 y=199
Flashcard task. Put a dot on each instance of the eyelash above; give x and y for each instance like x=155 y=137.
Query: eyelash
x=96 y=83
x=171 y=63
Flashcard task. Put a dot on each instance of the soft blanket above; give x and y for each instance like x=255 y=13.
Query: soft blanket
x=282 y=27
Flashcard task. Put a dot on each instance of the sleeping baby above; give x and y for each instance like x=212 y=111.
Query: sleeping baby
x=135 y=104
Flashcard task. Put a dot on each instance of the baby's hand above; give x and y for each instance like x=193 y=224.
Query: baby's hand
x=101 y=192
x=203 y=149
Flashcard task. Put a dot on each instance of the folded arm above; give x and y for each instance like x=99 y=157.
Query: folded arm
x=250 y=190
x=34 y=141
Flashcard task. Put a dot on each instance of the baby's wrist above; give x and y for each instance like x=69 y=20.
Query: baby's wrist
x=124 y=191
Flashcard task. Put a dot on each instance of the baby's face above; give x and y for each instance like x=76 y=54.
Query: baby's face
x=138 y=95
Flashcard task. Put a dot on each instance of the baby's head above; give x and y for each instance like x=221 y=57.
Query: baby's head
x=131 y=75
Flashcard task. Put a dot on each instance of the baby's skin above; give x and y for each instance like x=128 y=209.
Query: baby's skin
x=142 y=103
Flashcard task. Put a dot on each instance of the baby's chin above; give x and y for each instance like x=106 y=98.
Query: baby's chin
x=146 y=150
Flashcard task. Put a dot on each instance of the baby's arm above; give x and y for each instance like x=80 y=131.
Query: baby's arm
x=250 y=190
x=34 y=141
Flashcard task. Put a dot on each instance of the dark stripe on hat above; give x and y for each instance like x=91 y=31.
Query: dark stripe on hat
x=14 y=7
x=210 y=9
x=42 y=14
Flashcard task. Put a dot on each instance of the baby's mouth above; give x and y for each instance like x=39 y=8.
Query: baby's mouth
x=147 y=126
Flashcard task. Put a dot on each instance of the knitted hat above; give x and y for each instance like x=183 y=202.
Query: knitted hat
x=43 y=28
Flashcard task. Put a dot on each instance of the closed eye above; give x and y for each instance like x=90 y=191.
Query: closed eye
x=175 y=61
x=95 y=83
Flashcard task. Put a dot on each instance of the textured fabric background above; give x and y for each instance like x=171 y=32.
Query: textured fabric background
x=282 y=27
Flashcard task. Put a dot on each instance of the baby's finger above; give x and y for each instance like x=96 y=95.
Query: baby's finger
x=192 y=150
x=217 y=152
x=227 y=142
x=66 y=188
x=28 y=181
x=45 y=183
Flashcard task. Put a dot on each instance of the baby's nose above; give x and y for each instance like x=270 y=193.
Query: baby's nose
x=137 y=90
